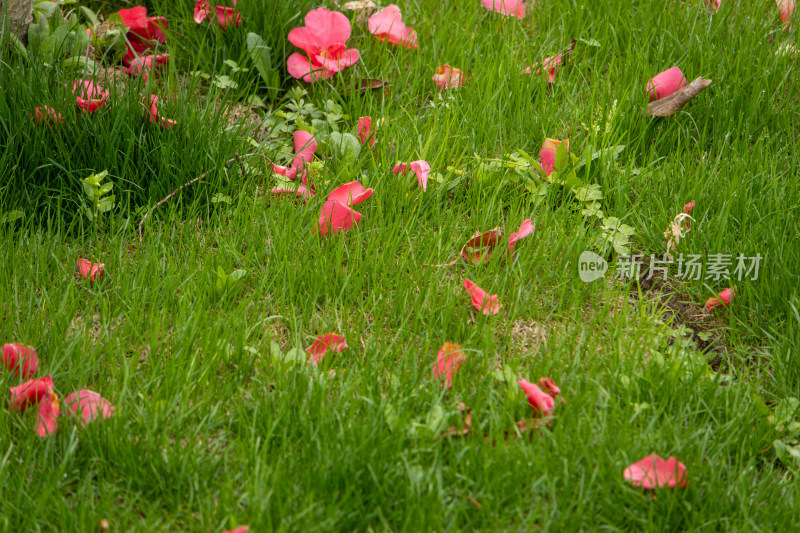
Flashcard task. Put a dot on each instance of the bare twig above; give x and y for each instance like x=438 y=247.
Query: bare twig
x=671 y=104
x=191 y=182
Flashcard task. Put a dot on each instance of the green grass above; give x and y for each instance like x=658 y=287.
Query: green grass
x=212 y=430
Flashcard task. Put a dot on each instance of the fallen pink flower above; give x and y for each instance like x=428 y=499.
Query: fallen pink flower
x=446 y=77
x=48 y=414
x=304 y=147
x=365 y=133
x=29 y=393
x=420 y=167
x=786 y=8
x=89 y=270
x=89 y=95
x=665 y=83
x=155 y=117
x=387 y=25
x=448 y=361
x=146 y=65
x=89 y=405
x=654 y=472
x=488 y=306
x=548 y=154
x=541 y=402
x=19 y=358
x=550 y=66
x=506 y=7
x=525 y=229
x=143 y=31
x=329 y=341
x=46 y=114
x=228 y=16
x=202 y=9
x=240 y=529
x=349 y=194
x=714 y=4
x=323 y=39
x=723 y=300
x=550 y=387
x=335 y=217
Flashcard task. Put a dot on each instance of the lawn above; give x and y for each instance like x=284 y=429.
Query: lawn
x=206 y=328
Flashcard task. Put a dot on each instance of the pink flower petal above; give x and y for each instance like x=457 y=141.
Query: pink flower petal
x=714 y=4
x=548 y=154
x=49 y=409
x=541 y=402
x=89 y=405
x=155 y=117
x=365 y=130
x=550 y=66
x=447 y=77
x=448 y=361
x=654 y=472
x=488 y=306
x=549 y=386
x=420 y=167
x=19 y=358
x=89 y=270
x=387 y=25
x=304 y=147
x=46 y=114
x=29 y=393
x=665 y=83
x=329 y=341
x=506 y=7
x=146 y=64
x=228 y=16
x=786 y=9
x=525 y=229
x=301 y=67
x=202 y=10
x=240 y=529
x=349 y=194
x=723 y=299
x=89 y=95
x=324 y=40
x=335 y=217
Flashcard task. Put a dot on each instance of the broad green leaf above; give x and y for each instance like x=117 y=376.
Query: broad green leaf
x=261 y=56
x=37 y=33
x=90 y=15
x=238 y=274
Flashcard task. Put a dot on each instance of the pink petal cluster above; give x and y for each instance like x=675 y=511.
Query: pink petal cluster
x=420 y=167
x=45 y=115
x=89 y=270
x=447 y=77
x=89 y=95
x=549 y=66
x=143 y=31
x=723 y=299
x=226 y=16
x=488 y=305
x=155 y=117
x=654 y=472
x=329 y=341
x=365 y=133
x=506 y=7
x=336 y=214
x=665 y=83
x=525 y=229
x=541 y=402
x=89 y=405
x=448 y=361
x=387 y=25
x=47 y=417
x=304 y=147
x=145 y=65
x=29 y=393
x=548 y=154
x=714 y=4
x=324 y=41
x=20 y=359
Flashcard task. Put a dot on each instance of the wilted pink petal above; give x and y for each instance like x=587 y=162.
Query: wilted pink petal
x=365 y=130
x=202 y=10
x=89 y=95
x=329 y=341
x=48 y=414
x=304 y=147
x=335 y=217
x=487 y=305
x=155 y=117
x=89 y=270
x=665 y=83
x=506 y=7
x=548 y=154
x=541 y=402
x=549 y=66
x=420 y=167
x=323 y=39
x=89 y=405
x=387 y=25
x=20 y=358
x=688 y=208
x=524 y=230
x=45 y=115
x=786 y=8
x=446 y=77
x=723 y=299
x=350 y=194
x=228 y=16
x=654 y=472
x=145 y=65
x=29 y=393
x=549 y=387
x=448 y=361
x=714 y=4
x=143 y=31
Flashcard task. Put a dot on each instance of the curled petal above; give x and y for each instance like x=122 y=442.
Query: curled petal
x=301 y=67
x=88 y=405
x=541 y=402
x=350 y=194
x=89 y=270
x=654 y=472
x=45 y=115
x=145 y=65
x=723 y=299
x=488 y=305
x=665 y=83
x=335 y=217
x=20 y=359
x=387 y=25
x=525 y=229
x=329 y=341
x=421 y=169
x=448 y=361
x=228 y=16
x=304 y=147
x=549 y=387
x=89 y=95
x=365 y=133
x=548 y=154
x=506 y=7
x=446 y=77
x=29 y=393
x=49 y=409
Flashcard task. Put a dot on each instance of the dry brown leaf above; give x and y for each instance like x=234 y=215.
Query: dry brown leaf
x=369 y=84
x=478 y=249
x=671 y=104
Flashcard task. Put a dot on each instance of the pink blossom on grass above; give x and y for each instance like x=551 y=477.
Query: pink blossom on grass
x=548 y=154
x=550 y=387
x=387 y=25
x=46 y=115
x=506 y=7
x=541 y=402
x=228 y=16
x=146 y=65
x=29 y=393
x=448 y=361
x=488 y=305
x=447 y=77
x=89 y=95
x=20 y=359
x=654 y=472
x=723 y=299
x=332 y=342
x=47 y=416
x=202 y=10
x=323 y=40
x=350 y=194
x=154 y=116
x=335 y=217
x=365 y=133
x=714 y=4
x=143 y=31
x=89 y=405
x=786 y=9
x=525 y=229
x=665 y=83
x=89 y=270
x=420 y=167
x=549 y=66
